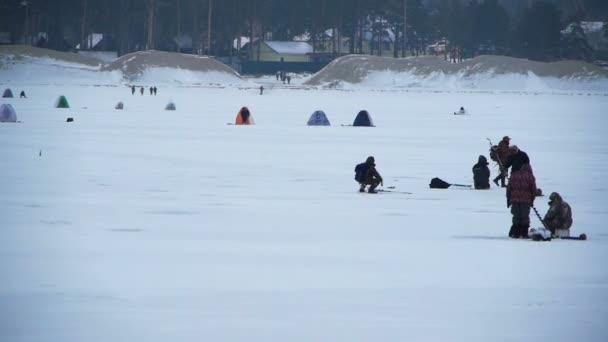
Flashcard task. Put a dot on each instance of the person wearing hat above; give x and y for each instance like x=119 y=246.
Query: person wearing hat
x=503 y=155
x=559 y=215
x=372 y=177
x=481 y=174
x=517 y=158
x=521 y=193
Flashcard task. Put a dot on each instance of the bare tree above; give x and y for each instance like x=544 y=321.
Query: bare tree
x=151 y=23
x=209 y=14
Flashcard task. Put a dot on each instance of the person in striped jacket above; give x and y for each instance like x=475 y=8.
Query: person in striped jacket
x=521 y=192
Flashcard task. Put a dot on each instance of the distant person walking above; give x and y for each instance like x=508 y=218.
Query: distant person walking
x=155 y=90
x=261 y=90
x=141 y=90
x=502 y=155
x=151 y=90
x=132 y=90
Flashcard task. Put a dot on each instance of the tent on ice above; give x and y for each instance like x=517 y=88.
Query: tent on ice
x=363 y=119
x=119 y=106
x=8 y=93
x=244 y=117
x=318 y=118
x=62 y=102
x=170 y=106
x=7 y=113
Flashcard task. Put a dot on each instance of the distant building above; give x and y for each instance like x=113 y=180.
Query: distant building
x=280 y=51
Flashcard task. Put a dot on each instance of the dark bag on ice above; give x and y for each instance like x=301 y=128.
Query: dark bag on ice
x=360 y=172
x=437 y=183
x=494 y=153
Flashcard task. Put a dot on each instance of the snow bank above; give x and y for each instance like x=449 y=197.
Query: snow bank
x=29 y=65
x=487 y=72
x=169 y=67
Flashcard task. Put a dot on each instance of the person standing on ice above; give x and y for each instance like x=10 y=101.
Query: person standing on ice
x=559 y=215
x=141 y=90
x=481 y=174
x=521 y=192
x=132 y=90
x=502 y=155
x=517 y=159
x=370 y=176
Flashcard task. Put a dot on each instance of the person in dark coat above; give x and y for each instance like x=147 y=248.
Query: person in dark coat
x=481 y=174
x=559 y=215
x=132 y=90
x=151 y=90
x=517 y=158
x=502 y=154
x=372 y=177
x=521 y=193
x=141 y=90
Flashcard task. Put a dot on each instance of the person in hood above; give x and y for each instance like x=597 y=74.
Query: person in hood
x=372 y=177
x=521 y=192
x=517 y=158
x=481 y=174
x=559 y=215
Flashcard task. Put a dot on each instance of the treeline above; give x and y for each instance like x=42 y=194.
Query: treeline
x=525 y=28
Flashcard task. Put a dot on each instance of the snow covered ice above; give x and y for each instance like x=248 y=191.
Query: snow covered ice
x=153 y=225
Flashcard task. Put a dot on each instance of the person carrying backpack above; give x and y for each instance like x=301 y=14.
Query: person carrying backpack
x=501 y=157
x=366 y=174
x=481 y=174
x=559 y=215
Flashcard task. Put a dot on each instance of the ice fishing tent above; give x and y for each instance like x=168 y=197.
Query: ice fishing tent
x=62 y=102
x=8 y=93
x=318 y=118
x=7 y=113
x=119 y=106
x=170 y=106
x=244 y=117
x=363 y=119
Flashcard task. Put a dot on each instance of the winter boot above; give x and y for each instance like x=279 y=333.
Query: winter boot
x=513 y=233
x=362 y=188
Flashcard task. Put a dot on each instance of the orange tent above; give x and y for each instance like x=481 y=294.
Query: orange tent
x=244 y=117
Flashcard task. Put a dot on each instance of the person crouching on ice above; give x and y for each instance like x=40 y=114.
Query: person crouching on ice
x=371 y=177
x=559 y=215
x=521 y=192
x=481 y=174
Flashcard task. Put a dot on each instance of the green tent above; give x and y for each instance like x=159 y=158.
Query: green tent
x=62 y=102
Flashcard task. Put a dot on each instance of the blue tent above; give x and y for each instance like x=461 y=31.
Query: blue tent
x=7 y=113
x=318 y=118
x=363 y=119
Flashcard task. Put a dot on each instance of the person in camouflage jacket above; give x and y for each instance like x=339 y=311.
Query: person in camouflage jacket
x=559 y=215
x=521 y=192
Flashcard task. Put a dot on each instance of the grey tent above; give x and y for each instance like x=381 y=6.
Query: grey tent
x=318 y=118
x=170 y=106
x=7 y=113
x=119 y=105
x=8 y=93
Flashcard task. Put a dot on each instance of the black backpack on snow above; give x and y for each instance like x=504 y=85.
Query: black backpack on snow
x=361 y=172
x=437 y=183
x=494 y=153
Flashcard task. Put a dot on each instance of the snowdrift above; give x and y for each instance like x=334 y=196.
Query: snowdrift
x=488 y=72
x=30 y=65
x=152 y=66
